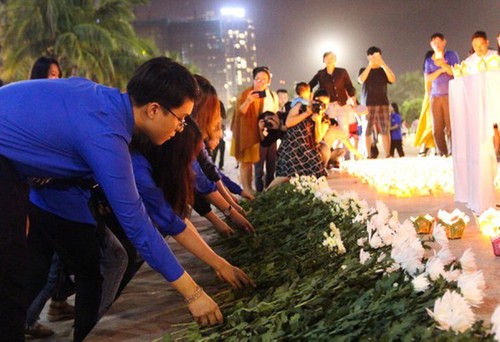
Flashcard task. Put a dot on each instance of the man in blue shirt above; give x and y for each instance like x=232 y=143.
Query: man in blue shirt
x=437 y=69
x=74 y=128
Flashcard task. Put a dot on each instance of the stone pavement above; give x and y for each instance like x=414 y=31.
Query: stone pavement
x=149 y=307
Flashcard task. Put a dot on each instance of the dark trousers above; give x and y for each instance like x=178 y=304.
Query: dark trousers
x=13 y=253
x=267 y=156
x=397 y=145
x=221 y=148
x=79 y=250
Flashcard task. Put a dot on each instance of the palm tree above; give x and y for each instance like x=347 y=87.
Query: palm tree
x=90 y=38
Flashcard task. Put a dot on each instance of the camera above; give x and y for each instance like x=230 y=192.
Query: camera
x=260 y=93
x=317 y=106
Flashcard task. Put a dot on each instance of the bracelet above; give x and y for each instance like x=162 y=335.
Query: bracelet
x=197 y=294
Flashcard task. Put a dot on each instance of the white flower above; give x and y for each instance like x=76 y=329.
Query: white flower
x=452 y=312
x=361 y=241
x=386 y=234
x=446 y=255
x=381 y=257
x=471 y=286
x=468 y=261
x=495 y=320
x=440 y=235
x=375 y=241
x=393 y=268
x=452 y=275
x=420 y=283
x=382 y=216
x=363 y=256
x=435 y=268
x=343 y=267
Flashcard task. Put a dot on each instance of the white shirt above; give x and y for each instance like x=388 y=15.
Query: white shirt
x=476 y=64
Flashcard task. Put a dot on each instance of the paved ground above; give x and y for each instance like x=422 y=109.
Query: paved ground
x=149 y=307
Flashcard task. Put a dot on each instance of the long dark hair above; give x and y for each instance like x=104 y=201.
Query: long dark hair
x=171 y=164
x=41 y=67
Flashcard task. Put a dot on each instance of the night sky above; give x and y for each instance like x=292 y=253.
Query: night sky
x=291 y=35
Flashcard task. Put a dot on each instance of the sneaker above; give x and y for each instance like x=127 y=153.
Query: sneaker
x=37 y=330
x=60 y=311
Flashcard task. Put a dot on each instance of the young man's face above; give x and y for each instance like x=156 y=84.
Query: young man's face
x=480 y=45
x=282 y=98
x=166 y=122
x=438 y=44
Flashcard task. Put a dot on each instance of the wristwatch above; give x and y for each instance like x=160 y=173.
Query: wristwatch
x=227 y=212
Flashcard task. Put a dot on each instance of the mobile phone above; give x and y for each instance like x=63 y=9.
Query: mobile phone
x=261 y=93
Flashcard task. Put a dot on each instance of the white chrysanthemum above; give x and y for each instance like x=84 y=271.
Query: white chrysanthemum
x=452 y=275
x=386 y=234
x=420 y=283
x=452 y=312
x=393 y=268
x=439 y=235
x=361 y=241
x=382 y=216
x=468 y=261
x=408 y=258
x=381 y=257
x=375 y=241
x=446 y=255
x=471 y=286
x=495 y=321
x=435 y=268
x=394 y=220
x=363 y=256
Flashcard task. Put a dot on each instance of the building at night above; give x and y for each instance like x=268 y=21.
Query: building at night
x=221 y=47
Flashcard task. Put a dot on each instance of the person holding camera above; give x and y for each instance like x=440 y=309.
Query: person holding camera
x=245 y=146
x=302 y=149
x=375 y=78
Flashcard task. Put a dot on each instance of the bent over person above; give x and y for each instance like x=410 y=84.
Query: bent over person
x=73 y=128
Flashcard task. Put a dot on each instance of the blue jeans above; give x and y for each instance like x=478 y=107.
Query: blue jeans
x=33 y=313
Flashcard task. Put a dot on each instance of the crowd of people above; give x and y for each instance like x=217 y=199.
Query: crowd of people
x=93 y=179
x=316 y=131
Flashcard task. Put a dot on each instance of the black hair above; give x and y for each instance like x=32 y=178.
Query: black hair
x=299 y=87
x=171 y=165
x=258 y=69
x=373 y=49
x=164 y=81
x=282 y=91
x=41 y=67
x=437 y=35
x=427 y=55
x=479 y=34
x=321 y=93
x=395 y=107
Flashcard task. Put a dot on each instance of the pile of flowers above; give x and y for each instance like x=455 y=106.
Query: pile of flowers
x=329 y=266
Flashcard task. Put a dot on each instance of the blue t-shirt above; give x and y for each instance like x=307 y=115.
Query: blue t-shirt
x=440 y=84
x=69 y=128
x=396 y=120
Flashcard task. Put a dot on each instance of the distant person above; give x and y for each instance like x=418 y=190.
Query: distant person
x=282 y=99
x=396 y=131
x=245 y=146
x=375 y=77
x=334 y=80
x=301 y=150
x=424 y=139
x=438 y=71
x=480 y=44
x=220 y=149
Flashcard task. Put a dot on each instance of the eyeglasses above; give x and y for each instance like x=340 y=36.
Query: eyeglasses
x=182 y=122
